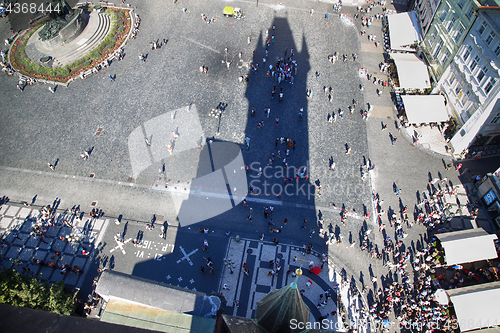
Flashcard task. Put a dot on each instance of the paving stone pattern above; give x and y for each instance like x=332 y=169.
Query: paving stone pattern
x=17 y=253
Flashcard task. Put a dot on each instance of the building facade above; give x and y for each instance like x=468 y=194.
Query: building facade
x=470 y=83
x=425 y=10
x=489 y=192
x=445 y=34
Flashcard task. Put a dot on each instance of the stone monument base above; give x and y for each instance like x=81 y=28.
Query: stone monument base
x=68 y=33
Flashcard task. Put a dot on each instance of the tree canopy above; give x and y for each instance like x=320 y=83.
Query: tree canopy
x=30 y=292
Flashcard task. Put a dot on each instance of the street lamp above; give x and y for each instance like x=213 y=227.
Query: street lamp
x=216 y=113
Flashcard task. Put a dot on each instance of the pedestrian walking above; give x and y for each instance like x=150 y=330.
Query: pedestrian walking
x=225 y=287
x=51 y=166
x=205 y=245
x=277 y=120
x=304 y=224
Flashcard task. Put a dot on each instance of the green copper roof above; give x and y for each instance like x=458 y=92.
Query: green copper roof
x=279 y=307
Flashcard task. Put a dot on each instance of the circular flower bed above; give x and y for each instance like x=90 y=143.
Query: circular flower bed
x=120 y=27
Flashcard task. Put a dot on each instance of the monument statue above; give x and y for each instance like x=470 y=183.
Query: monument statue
x=60 y=16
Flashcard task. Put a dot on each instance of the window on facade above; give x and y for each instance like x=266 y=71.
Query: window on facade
x=437 y=50
x=432 y=38
x=495 y=119
x=490 y=85
x=444 y=13
x=458 y=90
x=497 y=50
x=473 y=64
x=481 y=28
x=465 y=97
x=469 y=13
x=461 y=3
x=482 y=72
x=446 y=55
x=459 y=33
x=451 y=23
x=467 y=52
x=490 y=37
x=451 y=79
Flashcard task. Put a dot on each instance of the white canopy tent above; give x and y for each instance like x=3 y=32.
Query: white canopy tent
x=476 y=306
x=425 y=109
x=468 y=246
x=412 y=71
x=404 y=30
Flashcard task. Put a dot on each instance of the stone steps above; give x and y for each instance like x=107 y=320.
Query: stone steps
x=83 y=44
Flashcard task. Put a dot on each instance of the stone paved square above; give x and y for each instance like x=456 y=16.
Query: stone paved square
x=26 y=254
x=32 y=241
x=5 y=222
x=46 y=272
x=26 y=226
x=3 y=250
x=3 y=209
x=24 y=212
x=71 y=278
x=66 y=259
x=47 y=244
x=54 y=232
x=40 y=254
x=22 y=240
x=71 y=248
x=6 y=264
x=58 y=245
x=12 y=211
x=13 y=252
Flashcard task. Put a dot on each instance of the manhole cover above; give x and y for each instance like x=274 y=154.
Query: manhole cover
x=389 y=117
x=280 y=256
x=94 y=203
x=130 y=179
x=249 y=251
x=92 y=175
x=99 y=131
x=160 y=217
x=426 y=145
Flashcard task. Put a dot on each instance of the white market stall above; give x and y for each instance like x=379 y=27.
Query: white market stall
x=404 y=31
x=467 y=246
x=412 y=72
x=477 y=306
x=424 y=109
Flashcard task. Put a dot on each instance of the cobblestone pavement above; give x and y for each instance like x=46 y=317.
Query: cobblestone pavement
x=41 y=128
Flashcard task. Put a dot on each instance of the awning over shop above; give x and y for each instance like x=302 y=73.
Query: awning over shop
x=476 y=306
x=404 y=30
x=412 y=72
x=424 y=109
x=468 y=246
